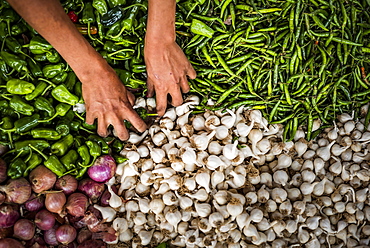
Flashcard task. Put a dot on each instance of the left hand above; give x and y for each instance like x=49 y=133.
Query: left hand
x=167 y=69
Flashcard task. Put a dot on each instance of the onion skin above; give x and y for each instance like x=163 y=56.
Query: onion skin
x=84 y=235
x=9 y=215
x=92 y=243
x=24 y=229
x=3 y=168
x=17 y=190
x=35 y=203
x=8 y=242
x=77 y=204
x=68 y=184
x=91 y=189
x=44 y=220
x=50 y=236
x=54 y=202
x=66 y=234
x=103 y=169
x=42 y=179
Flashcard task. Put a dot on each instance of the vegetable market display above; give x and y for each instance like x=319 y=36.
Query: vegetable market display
x=294 y=62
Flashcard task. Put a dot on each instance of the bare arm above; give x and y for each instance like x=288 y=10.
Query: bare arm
x=166 y=63
x=105 y=96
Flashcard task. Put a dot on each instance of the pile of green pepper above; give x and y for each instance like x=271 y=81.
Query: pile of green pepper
x=296 y=61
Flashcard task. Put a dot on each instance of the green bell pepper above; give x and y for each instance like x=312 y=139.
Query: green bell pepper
x=53 y=164
x=61 y=94
x=19 y=87
x=14 y=61
x=60 y=78
x=39 y=45
x=84 y=153
x=45 y=133
x=19 y=105
x=44 y=104
x=69 y=160
x=32 y=163
x=60 y=147
x=16 y=168
x=51 y=71
x=39 y=89
x=53 y=56
x=101 y=6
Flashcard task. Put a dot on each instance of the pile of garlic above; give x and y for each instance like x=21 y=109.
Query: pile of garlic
x=226 y=179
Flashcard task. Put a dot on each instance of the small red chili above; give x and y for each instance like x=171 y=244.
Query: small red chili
x=316 y=42
x=363 y=73
x=72 y=15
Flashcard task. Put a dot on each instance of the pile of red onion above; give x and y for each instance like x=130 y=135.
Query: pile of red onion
x=46 y=211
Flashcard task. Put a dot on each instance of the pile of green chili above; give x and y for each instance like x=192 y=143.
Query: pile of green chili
x=296 y=61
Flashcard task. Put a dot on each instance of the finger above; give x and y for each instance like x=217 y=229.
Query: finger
x=184 y=85
x=136 y=121
x=120 y=129
x=161 y=100
x=192 y=73
x=131 y=98
x=102 y=127
x=176 y=97
x=150 y=87
x=89 y=117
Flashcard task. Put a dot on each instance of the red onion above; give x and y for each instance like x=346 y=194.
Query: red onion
x=42 y=179
x=17 y=190
x=8 y=215
x=34 y=203
x=24 y=229
x=44 y=220
x=84 y=235
x=104 y=199
x=54 y=202
x=3 y=167
x=92 y=243
x=91 y=189
x=10 y=243
x=77 y=204
x=66 y=234
x=50 y=237
x=103 y=169
x=68 y=184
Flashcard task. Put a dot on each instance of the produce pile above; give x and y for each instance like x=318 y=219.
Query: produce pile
x=250 y=160
x=227 y=179
x=47 y=211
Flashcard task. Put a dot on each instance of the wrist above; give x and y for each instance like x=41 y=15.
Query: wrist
x=97 y=66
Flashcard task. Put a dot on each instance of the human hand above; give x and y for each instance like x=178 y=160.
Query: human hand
x=167 y=69
x=107 y=99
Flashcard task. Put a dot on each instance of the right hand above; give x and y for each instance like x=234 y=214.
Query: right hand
x=107 y=99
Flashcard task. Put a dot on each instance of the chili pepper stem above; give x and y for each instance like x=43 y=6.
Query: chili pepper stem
x=38 y=151
x=122 y=50
x=45 y=80
x=17 y=156
x=89 y=34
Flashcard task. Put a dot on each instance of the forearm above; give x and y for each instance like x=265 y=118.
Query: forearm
x=161 y=20
x=49 y=19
